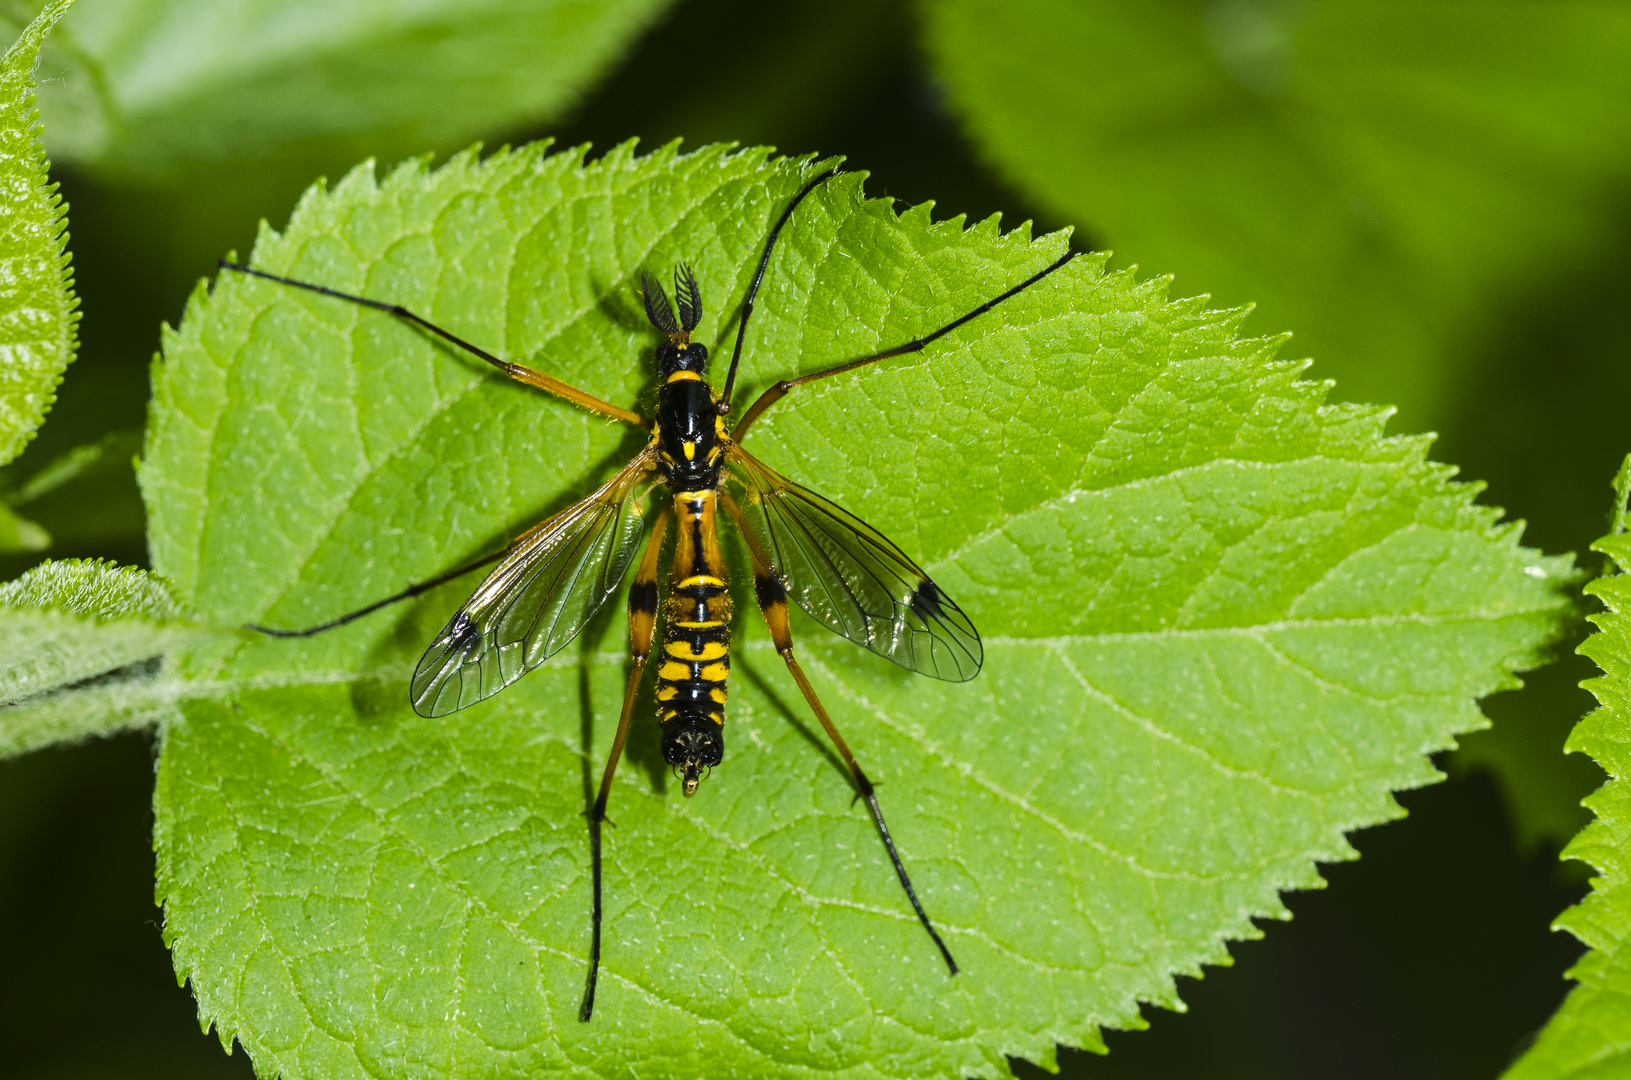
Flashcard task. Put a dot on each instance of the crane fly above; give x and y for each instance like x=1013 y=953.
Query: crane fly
x=552 y=579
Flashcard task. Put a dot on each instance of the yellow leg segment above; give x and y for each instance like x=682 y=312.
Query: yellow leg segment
x=518 y=372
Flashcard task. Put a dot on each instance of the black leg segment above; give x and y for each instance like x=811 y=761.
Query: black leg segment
x=410 y=591
x=753 y=289
x=781 y=389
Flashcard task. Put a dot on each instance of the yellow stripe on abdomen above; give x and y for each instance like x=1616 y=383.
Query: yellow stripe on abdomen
x=687 y=650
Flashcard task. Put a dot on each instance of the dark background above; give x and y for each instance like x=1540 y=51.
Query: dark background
x=1430 y=956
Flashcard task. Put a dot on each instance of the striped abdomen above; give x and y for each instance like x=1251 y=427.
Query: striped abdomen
x=696 y=641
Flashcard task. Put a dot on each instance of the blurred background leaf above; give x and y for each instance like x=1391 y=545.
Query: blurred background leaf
x=1429 y=957
x=151 y=86
x=18 y=534
x=1371 y=174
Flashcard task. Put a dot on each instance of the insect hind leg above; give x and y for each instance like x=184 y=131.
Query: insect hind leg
x=642 y=627
x=772 y=598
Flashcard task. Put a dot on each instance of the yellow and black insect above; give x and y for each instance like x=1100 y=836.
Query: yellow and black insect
x=551 y=580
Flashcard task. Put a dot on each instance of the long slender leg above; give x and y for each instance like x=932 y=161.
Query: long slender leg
x=410 y=591
x=642 y=625
x=518 y=372
x=753 y=289
x=772 y=597
x=781 y=389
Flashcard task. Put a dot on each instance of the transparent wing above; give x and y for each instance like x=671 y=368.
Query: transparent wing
x=538 y=599
x=850 y=578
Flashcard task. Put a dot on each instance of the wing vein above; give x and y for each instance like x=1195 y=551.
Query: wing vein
x=851 y=578
x=557 y=575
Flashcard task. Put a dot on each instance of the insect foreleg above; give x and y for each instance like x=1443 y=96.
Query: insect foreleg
x=518 y=372
x=758 y=278
x=780 y=390
x=772 y=597
x=642 y=625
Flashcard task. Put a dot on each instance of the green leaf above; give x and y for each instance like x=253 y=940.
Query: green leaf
x=66 y=624
x=111 y=452
x=18 y=534
x=1590 y=1036
x=1222 y=622
x=38 y=312
x=150 y=87
x=84 y=498
x=1378 y=177
x=108 y=455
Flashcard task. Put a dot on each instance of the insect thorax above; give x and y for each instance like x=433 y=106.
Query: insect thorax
x=690 y=431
